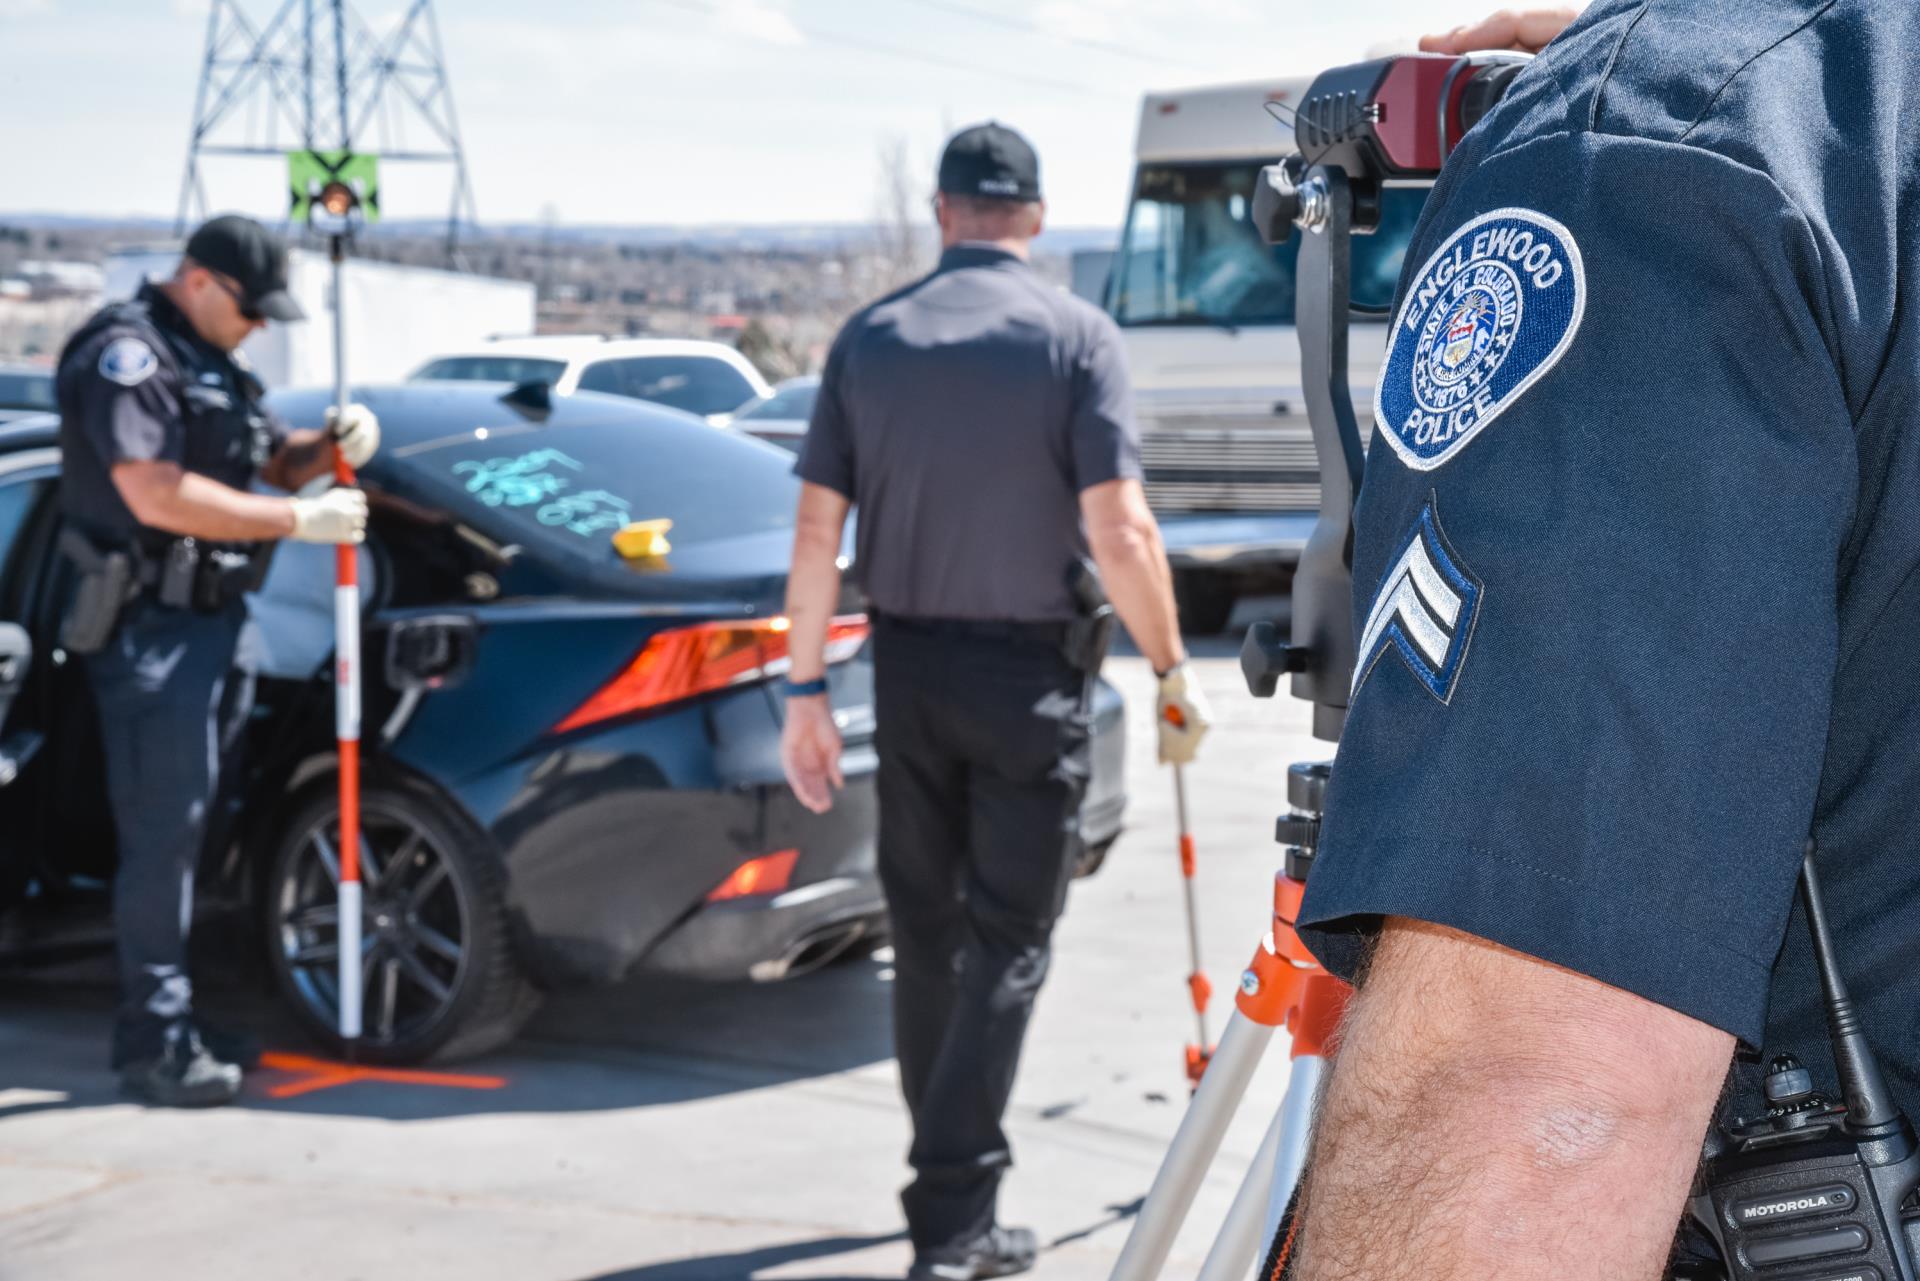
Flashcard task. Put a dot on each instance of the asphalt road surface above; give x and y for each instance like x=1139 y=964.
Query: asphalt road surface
x=669 y=1131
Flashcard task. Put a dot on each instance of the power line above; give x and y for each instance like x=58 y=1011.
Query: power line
x=864 y=45
x=1029 y=27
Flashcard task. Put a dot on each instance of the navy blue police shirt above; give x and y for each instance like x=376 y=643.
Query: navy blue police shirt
x=1637 y=566
x=962 y=416
x=137 y=383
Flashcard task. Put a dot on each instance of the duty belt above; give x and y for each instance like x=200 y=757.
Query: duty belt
x=182 y=573
x=1037 y=632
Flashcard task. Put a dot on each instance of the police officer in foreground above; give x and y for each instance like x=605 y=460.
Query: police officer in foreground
x=981 y=421
x=1637 y=565
x=162 y=432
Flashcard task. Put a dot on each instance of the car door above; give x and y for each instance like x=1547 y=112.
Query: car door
x=57 y=790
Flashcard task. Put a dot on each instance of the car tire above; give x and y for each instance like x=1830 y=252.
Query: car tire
x=1205 y=600
x=443 y=981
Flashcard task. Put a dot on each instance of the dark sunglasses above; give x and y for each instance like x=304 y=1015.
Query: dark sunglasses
x=247 y=312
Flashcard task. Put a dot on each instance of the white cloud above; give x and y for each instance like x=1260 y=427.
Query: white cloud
x=24 y=8
x=757 y=20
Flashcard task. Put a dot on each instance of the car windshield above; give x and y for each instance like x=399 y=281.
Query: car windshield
x=489 y=369
x=566 y=488
x=786 y=402
x=30 y=390
x=698 y=384
x=1190 y=254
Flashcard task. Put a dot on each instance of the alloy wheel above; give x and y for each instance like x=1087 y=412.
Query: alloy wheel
x=415 y=923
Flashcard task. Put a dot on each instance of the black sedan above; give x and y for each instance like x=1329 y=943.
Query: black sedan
x=572 y=746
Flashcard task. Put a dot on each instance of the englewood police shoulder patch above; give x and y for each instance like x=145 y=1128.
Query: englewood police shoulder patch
x=1491 y=311
x=1425 y=608
x=127 y=361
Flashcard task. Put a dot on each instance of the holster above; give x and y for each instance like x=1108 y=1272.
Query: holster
x=207 y=578
x=108 y=580
x=1091 y=630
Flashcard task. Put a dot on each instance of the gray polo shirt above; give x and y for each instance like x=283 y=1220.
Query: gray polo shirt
x=962 y=416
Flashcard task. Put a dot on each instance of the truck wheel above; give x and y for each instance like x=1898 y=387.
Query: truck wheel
x=441 y=977
x=1205 y=600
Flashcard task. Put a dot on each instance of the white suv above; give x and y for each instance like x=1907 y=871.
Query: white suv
x=709 y=379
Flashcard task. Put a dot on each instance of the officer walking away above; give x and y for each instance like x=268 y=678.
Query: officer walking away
x=981 y=421
x=162 y=432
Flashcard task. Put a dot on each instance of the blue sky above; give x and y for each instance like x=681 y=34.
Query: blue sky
x=678 y=111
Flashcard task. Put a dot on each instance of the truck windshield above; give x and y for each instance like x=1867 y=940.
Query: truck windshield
x=1190 y=254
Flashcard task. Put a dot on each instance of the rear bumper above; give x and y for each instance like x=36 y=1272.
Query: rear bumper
x=767 y=937
x=1236 y=540
x=613 y=837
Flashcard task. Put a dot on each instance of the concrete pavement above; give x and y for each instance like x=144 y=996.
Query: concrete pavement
x=668 y=1131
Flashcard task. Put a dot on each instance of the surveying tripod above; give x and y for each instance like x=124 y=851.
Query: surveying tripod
x=1283 y=986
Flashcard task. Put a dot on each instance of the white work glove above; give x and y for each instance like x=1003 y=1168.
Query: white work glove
x=336 y=516
x=1181 y=712
x=356 y=432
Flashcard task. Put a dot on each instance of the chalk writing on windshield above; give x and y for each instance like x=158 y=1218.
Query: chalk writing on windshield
x=524 y=480
x=587 y=512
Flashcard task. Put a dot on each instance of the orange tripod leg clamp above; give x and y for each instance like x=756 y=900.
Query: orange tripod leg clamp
x=1285 y=986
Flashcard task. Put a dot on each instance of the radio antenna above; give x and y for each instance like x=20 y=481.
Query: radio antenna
x=1869 y=1103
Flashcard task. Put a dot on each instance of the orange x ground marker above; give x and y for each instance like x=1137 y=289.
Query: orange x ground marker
x=322 y=1074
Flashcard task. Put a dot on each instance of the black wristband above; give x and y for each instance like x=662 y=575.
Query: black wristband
x=806 y=689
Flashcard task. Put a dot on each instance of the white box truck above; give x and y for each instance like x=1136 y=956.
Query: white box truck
x=1206 y=308
x=397 y=315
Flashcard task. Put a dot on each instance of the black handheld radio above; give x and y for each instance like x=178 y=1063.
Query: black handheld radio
x=1816 y=1189
x=1813 y=1190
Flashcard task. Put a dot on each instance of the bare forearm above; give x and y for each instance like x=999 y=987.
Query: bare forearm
x=1133 y=568
x=305 y=455
x=1490 y=1115
x=184 y=502
x=813 y=581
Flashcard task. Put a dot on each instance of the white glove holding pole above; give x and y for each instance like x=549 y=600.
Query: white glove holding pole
x=356 y=431
x=336 y=516
x=1182 y=715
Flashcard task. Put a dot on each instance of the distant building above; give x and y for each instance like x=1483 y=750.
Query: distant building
x=396 y=315
x=36 y=328
x=52 y=279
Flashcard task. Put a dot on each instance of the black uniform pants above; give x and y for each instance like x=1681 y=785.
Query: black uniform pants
x=983 y=744
x=167 y=715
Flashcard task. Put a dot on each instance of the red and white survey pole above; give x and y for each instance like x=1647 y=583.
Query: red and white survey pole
x=335 y=192
x=346 y=693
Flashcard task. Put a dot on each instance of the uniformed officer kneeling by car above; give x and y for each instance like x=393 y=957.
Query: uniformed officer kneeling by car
x=162 y=432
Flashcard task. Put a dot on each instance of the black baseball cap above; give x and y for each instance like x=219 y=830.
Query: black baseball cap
x=990 y=161
x=254 y=257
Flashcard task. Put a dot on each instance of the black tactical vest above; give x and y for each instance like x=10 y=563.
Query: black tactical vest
x=228 y=435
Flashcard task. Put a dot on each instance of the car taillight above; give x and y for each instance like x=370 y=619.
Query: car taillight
x=686 y=661
x=768 y=874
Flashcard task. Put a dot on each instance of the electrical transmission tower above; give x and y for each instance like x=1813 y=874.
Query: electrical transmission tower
x=316 y=76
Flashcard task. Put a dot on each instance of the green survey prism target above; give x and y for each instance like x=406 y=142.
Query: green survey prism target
x=333 y=189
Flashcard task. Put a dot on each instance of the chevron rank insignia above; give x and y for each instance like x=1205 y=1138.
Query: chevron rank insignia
x=1425 y=610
